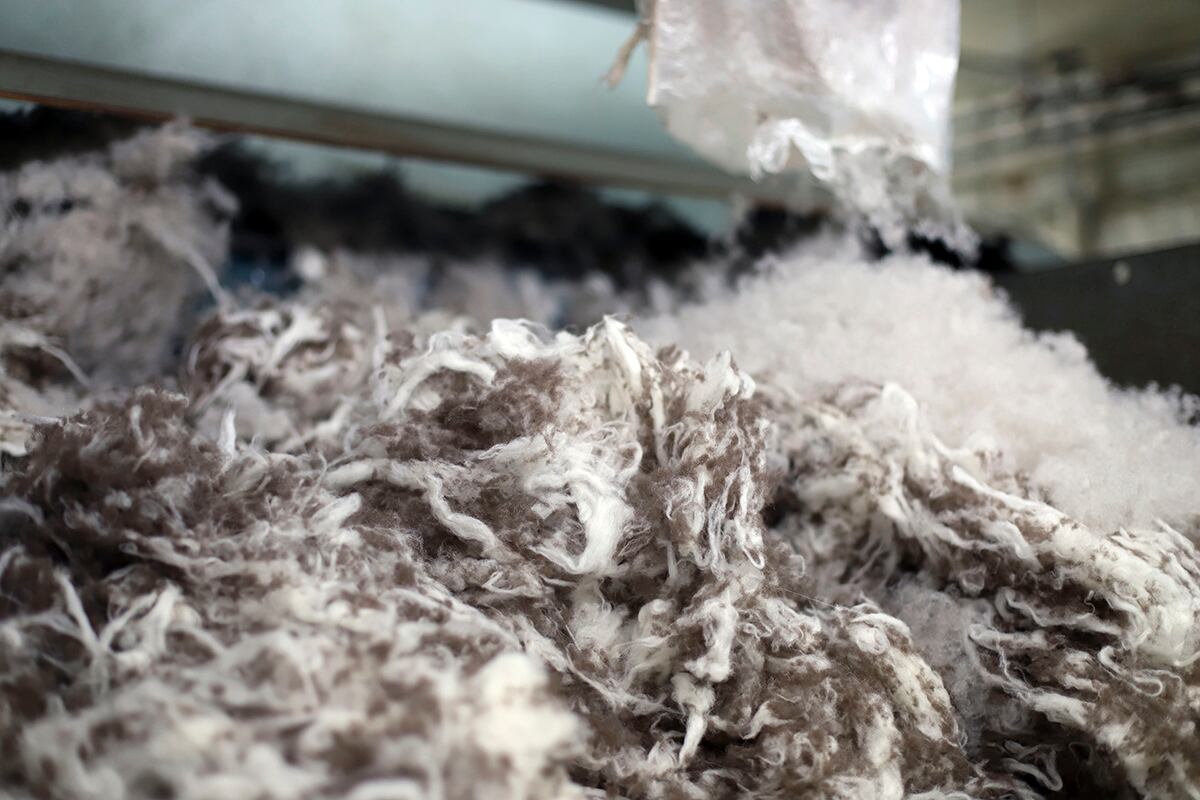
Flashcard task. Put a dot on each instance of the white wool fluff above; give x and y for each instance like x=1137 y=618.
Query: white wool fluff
x=374 y=551
x=109 y=251
x=480 y=290
x=102 y=257
x=823 y=315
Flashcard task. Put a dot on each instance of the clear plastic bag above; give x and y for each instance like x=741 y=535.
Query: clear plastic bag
x=857 y=92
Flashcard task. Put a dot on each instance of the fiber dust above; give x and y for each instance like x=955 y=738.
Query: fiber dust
x=348 y=545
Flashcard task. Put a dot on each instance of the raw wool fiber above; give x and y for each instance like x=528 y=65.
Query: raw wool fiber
x=86 y=241
x=102 y=259
x=824 y=315
x=480 y=290
x=1092 y=631
x=232 y=622
x=375 y=553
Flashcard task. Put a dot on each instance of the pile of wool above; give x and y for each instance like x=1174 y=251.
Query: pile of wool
x=102 y=260
x=361 y=549
x=824 y=315
x=481 y=290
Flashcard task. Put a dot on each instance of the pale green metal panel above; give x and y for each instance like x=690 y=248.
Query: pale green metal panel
x=529 y=67
x=519 y=66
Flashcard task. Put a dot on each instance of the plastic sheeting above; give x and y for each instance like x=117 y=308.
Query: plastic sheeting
x=857 y=92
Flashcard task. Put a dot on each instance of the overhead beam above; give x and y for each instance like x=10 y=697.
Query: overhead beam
x=71 y=84
x=629 y=6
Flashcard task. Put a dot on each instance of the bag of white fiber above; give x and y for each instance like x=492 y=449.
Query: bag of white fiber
x=857 y=93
